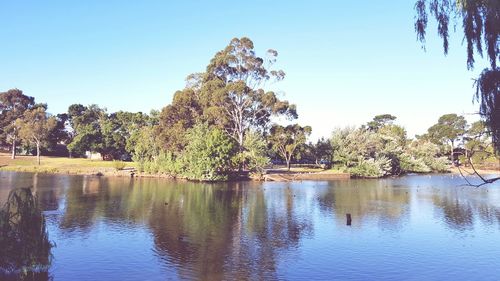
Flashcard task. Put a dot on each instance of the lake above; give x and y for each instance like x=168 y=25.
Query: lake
x=417 y=227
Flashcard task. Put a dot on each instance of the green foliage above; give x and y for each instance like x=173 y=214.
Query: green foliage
x=164 y=163
x=380 y=121
x=24 y=239
x=146 y=147
x=113 y=135
x=480 y=22
x=321 y=152
x=409 y=163
x=488 y=95
x=35 y=127
x=87 y=135
x=286 y=140
x=229 y=95
x=13 y=104
x=384 y=150
x=371 y=167
x=428 y=152
x=208 y=155
x=254 y=156
x=119 y=165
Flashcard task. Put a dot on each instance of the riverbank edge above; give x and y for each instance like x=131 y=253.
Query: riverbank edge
x=270 y=175
x=132 y=173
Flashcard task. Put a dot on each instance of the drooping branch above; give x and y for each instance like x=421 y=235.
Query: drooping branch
x=484 y=180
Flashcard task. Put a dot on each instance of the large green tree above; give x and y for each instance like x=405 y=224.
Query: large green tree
x=481 y=28
x=237 y=77
x=86 y=133
x=13 y=104
x=117 y=130
x=230 y=95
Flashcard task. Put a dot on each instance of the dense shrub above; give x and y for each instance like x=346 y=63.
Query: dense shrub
x=410 y=164
x=371 y=168
x=164 y=163
x=119 y=165
x=208 y=155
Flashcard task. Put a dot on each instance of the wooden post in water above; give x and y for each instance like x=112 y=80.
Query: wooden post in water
x=348 y=218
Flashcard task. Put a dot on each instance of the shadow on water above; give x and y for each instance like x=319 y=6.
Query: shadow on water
x=24 y=243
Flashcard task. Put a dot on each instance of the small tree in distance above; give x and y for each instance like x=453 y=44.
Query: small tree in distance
x=286 y=140
x=35 y=127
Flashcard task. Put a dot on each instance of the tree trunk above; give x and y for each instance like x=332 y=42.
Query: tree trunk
x=13 y=149
x=452 y=155
x=288 y=160
x=38 y=153
x=240 y=149
x=467 y=156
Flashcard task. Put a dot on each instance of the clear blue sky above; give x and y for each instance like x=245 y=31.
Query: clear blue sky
x=346 y=61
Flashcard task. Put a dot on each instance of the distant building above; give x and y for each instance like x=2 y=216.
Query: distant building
x=93 y=155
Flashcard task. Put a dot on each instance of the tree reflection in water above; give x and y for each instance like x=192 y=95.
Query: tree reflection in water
x=366 y=200
x=214 y=231
x=461 y=207
x=246 y=230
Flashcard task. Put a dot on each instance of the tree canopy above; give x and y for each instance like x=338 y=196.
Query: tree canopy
x=230 y=95
x=286 y=140
x=13 y=104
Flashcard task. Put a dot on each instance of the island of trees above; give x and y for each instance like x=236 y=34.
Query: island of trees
x=224 y=123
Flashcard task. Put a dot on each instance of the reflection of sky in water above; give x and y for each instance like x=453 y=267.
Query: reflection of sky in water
x=411 y=228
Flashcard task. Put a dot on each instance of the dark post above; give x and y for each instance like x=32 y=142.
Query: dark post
x=348 y=217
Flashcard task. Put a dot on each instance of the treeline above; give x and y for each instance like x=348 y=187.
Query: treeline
x=224 y=121
x=220 y=122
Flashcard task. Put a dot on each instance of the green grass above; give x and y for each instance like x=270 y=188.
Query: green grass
x=59 y=165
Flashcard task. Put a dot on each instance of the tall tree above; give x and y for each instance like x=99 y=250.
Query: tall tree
x=35 y=126
x=13 y=104
x=481 y=27
x=234 y=82
x=230 y=95
x=449 y=128
x=286 y=140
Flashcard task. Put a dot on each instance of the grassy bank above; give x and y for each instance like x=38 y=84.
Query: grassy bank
x=61 y=165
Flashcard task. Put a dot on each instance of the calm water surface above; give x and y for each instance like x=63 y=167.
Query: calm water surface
x=410 y=228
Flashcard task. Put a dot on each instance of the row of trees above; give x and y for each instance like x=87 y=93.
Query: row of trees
x=23 y=120
x=221 y=121
x=224 y=121
x=27 y=124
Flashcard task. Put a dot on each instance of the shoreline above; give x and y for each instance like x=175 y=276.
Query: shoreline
x=86 y=167
x=271 y=176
